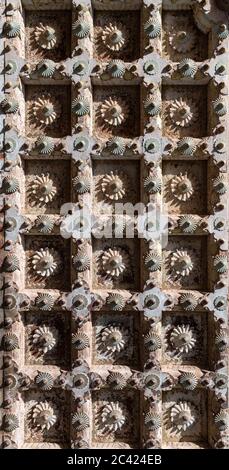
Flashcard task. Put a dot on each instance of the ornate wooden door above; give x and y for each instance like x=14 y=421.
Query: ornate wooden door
x=114 y=322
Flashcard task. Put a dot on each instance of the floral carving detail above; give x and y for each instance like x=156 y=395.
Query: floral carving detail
x=115 y=262
x=46 y=110
x=114 y=37
x=183 y=40
x=44 y=338
x=183 y=112
x=113 y=417
x=114 y=111
x=183 y=186
x=181 y=263
x=45 y=262
x=113 y=339
x=43 y=416
x=46 y=37
x=42 y=189
x=115 y=185
x=183 y=339
x=183 y=415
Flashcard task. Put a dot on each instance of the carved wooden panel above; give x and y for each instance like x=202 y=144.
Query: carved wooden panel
x=114 y=323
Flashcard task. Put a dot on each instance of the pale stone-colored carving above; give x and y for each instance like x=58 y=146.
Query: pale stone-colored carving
x=46 y=110
x=45 y=262
x=183 y=112
x=115 y=185
x=181 y=263
x=115 y=262
x=44 y=338
x=42 y=189
x=114 y=111
x=183 y=338
x=182 y=186
x=183 y=415
x=113 y=339
x=113 y=417
x=114 y=36
x=43 y=416
x=46 y=37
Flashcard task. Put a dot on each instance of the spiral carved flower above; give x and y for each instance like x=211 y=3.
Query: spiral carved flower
x=222 y=420
x=46 y=37
x=114 y=111
x=80 y=421
x=81 y=29
x=113 y=339
x=116 y=301
x=188 y=223
x=44 y=380
x=44 y=224
x=81 y=184
x=115 y=262
x=115 y=185
x=183 y=39
x=44 y=338
x=44 y=301
x=114 y=37
x=42 y=189
x=10 y=422
x=46 y=110
x=43 y=416
x=116 y=380
x=46 y=68
x=183 y=186
x=152 y=341
x=10 y=185
x=183 y=338
x=183 y=112
x=181 y=263
x=153 y=26
x=117 y=146
x=45 y=145
x=12 y=29
x=189 y=301
x=153 y=421
x=45 y=262
x=183 y=415
x=188 y=380
x=116 y=68
x=113 y=417
x=10 y=342
x=81 y=261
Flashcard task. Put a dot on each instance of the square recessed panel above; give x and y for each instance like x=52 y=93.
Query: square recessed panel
x=184 y=111
x=116 y=111
x=177 y=430
x=47 y=185
x=116 y=419
x=47 y=35
x=115 y=182
x=47 y=336
x=114 y=37
x=48 y=110
x=185 y=339
x=47 y=263
x=184 y=187
x=116 y=264
x=37 y=406
x=185 y=263
x=116 y=338
x=182 y=38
